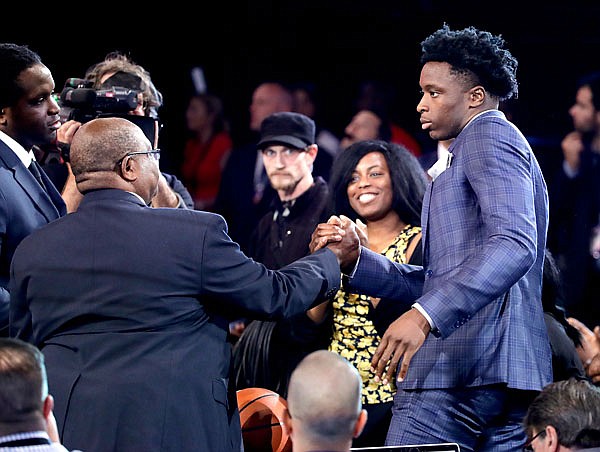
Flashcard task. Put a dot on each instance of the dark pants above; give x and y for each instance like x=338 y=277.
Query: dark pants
x=376 y=428
x=487 y=418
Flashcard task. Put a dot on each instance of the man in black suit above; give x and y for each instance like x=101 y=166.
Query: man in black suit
x=131 y=304
x=28 y=118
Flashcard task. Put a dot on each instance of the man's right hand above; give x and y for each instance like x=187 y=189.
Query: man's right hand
x=340 y=235
x=347 y=249
x=67 y=130
x=403 y=338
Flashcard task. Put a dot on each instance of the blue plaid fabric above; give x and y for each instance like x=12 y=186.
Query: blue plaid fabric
x=484 y=233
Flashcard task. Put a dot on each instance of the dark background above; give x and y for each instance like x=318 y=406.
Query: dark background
x=335 y=44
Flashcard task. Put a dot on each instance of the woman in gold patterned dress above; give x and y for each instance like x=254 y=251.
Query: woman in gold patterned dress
x=381 y=184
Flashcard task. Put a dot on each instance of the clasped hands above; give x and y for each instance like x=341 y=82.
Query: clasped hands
x=405 y=336
x=342 y=236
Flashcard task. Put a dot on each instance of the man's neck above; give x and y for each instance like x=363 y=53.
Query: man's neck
x=32 y=425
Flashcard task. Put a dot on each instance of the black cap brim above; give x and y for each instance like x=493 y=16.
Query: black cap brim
x=284 y=140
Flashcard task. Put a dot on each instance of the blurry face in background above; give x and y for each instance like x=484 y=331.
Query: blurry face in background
x=267 y=99
x=303 y=103
x=370 y=189
x=582 y=112
x=196 y=115
x=364 y=126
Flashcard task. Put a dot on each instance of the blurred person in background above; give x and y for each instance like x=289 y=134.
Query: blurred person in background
x=206 y=150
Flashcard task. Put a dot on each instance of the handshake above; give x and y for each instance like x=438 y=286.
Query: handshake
x=342 y=236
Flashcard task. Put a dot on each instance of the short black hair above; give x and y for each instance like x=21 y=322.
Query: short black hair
x=476 y=52
x=14 y=59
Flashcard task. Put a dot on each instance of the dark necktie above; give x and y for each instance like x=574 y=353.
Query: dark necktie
x=34 y=169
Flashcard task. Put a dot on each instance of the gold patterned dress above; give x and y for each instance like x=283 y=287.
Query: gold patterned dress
x=354 y=335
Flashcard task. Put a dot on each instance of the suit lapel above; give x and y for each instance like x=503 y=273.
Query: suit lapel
x=49 y=204
x=425 y=223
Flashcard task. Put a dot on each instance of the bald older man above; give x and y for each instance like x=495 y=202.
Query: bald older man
x=324 y=403
x=130 y=304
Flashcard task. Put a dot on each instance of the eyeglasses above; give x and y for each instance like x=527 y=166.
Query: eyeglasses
x=154 y=153
x=528 y=444
x=287 y=154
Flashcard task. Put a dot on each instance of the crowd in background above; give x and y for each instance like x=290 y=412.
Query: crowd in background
x=249 y=184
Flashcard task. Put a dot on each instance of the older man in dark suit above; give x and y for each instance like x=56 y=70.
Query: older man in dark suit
x=131 y=304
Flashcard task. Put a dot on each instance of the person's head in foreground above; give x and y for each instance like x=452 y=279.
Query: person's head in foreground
x=324 y=403
x=565 y=416
x=25 y=405
x=114 y=153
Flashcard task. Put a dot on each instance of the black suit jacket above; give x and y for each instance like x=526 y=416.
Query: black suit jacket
x=130 y=306
x=24 y=207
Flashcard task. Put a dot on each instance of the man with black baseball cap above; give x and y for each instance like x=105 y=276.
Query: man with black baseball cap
x=292 y=129
x=267 y=352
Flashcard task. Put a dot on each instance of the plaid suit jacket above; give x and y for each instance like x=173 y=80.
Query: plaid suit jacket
x=484 y=225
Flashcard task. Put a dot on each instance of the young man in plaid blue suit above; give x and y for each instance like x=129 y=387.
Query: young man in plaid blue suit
x=470 y=346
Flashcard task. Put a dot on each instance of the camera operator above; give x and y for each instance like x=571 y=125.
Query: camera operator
x=117 y=70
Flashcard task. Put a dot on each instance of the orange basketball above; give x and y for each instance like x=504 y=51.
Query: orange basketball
x=261 y=416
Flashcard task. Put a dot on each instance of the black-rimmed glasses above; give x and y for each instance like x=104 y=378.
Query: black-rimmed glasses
x=154 y=153
x=527 y=446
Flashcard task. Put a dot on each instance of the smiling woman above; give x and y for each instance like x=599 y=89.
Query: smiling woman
x=382 y=184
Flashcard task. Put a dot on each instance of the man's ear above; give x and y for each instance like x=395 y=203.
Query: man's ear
x=312 y=150
x=48 y=406
x=477 y=95
x=552 y=442
x=360 y=423
x=129 y=169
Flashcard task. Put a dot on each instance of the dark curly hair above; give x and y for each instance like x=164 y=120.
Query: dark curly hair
x=408 y=179
x=475 y=54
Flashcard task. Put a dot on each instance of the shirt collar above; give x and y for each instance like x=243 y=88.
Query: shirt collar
x=23 y=436
x=478 y=115
x=138 y=196
x=25 y=156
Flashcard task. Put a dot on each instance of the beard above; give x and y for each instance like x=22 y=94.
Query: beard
x=284 y=183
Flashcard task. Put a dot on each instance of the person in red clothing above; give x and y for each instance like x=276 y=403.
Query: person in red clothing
x=206 y=150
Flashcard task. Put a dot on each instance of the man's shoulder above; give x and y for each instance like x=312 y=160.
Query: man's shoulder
x=7 y=156
x=196 y=215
